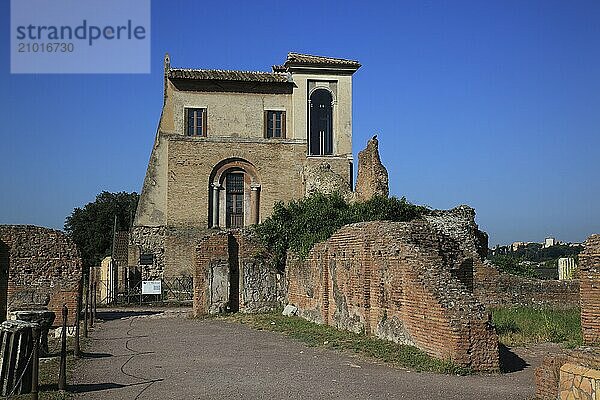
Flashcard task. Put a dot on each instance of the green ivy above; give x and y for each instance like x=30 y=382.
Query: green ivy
x=300 y=224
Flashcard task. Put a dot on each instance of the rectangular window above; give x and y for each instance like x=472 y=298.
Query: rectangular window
x=275 y=124
x=146 y=259
x=195 y=121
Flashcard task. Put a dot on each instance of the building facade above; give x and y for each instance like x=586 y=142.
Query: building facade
x=230 y=144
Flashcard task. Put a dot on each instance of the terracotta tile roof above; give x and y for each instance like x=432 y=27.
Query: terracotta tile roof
x=308 y=59
x=224 y=75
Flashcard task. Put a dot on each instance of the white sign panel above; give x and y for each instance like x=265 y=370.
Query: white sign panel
x=151 y=287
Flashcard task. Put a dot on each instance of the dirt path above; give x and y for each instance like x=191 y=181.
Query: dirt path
x=165 y=355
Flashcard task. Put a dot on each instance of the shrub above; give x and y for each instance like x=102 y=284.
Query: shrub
x=300 y=224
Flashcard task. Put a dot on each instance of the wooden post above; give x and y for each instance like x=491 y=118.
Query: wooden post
x=36 y=363
x=62 y=374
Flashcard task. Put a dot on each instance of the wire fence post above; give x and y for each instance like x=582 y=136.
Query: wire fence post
x=62 y=375
x=36 y=363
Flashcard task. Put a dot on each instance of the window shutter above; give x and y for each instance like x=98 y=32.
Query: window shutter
x=265 y=122
x=186 y=122
x=283 y=130
x=204 y=119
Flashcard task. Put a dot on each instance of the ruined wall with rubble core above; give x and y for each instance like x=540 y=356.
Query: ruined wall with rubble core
x=44 y=269
x=372 y=178
x=490 y=286
x=401 y=281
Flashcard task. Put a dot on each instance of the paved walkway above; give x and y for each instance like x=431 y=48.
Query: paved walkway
x=165 y=355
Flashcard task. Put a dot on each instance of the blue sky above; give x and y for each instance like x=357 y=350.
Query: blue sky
x=494 y=104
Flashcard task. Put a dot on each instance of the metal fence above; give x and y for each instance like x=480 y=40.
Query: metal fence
x=178 y=289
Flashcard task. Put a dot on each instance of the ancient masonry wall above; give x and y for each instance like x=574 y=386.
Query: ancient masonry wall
x=576 y=373
x=147 y=240
x=173 y=250
x=397 y=281
x=44 y=269
x=494 y=288
x=233 y=274
x=589 y=261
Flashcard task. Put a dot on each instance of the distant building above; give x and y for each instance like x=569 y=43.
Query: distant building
x=515 y=245
x=566 y=268
x=549 y=242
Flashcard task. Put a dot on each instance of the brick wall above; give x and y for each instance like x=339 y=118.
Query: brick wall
x=589 y=262
x=279 y=168
x=549 y=379
x=44 y=268
x=494 y=288
x=180 y=247
x=212 y=252
x=571 y=372
x=233 y=274
x=395 y=281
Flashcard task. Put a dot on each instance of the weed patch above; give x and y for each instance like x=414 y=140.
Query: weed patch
x=519 y=326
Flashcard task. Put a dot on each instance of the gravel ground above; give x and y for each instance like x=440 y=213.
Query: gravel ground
x=162 y=354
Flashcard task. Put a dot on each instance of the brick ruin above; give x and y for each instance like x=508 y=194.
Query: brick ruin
x=410 y=282
x=233 y=273
x=495 y=288
x=424 y=283
x=589 y=265
x=576 y=373
x=44 y=269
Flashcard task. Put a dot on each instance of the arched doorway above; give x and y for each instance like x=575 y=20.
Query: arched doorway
x=320 y=140
x=234 y=200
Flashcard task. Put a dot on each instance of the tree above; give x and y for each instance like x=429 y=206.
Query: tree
x=91 y=227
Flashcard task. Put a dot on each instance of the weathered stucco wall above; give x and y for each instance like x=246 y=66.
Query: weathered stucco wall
x=44 y=269
x=237 y=115
x=341 y=87
x=396 y=281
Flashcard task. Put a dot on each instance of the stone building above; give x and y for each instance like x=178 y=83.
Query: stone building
x=230 y=144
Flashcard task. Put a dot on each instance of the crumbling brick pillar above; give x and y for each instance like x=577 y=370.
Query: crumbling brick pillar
x=372 y=178
x=589 y=261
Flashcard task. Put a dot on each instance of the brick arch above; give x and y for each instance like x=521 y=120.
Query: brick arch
x=230 y=165
x=218 y=214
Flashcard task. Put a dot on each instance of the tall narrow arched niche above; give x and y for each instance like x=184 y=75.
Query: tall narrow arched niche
x=320 y=138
